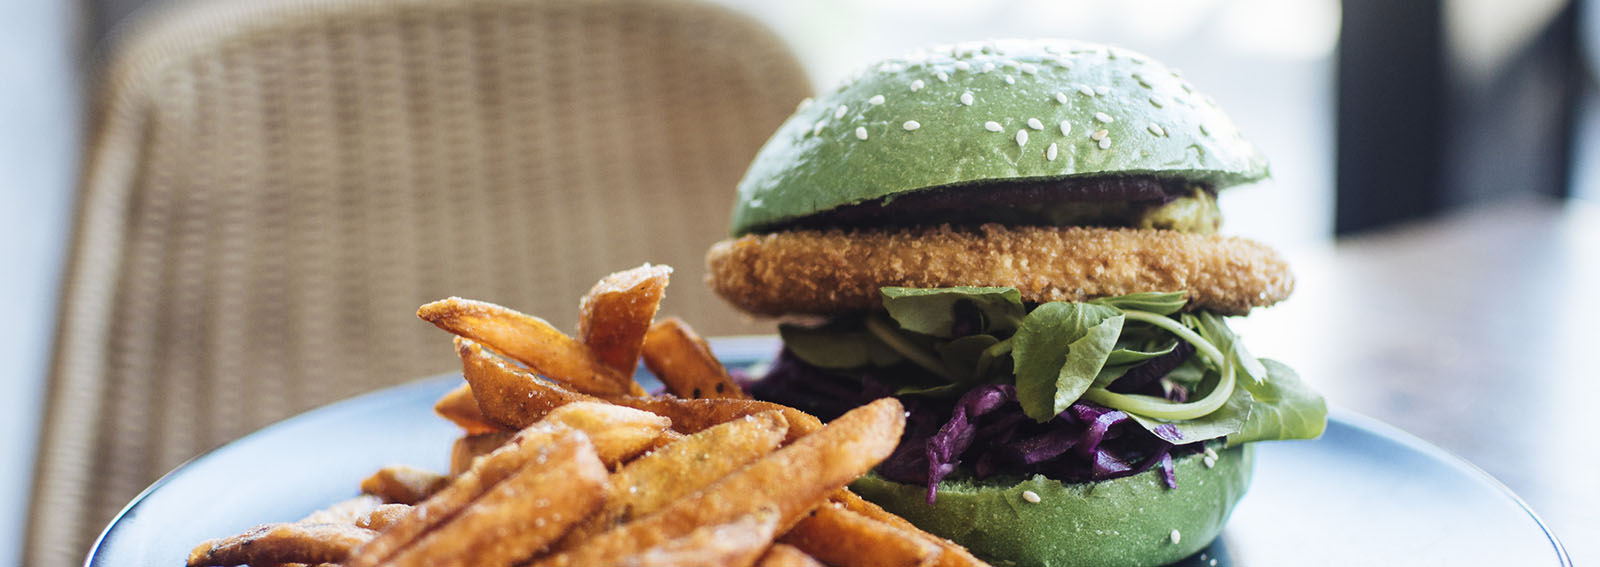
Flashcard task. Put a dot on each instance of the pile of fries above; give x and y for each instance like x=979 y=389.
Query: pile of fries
x=566 y=461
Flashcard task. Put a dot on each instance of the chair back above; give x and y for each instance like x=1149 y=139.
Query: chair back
x=273 y=187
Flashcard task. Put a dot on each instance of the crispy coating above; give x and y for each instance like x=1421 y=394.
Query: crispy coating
x=272 y=544
x=811 y=272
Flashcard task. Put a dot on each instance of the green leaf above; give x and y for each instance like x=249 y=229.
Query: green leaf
x=1130 y=354
x=962 y=355
x=1158 y=302
x=837 y=346
x=1284 y=408
x=1058 y=351
x=1215 y=330
x=1227 y=420
x=932 y=311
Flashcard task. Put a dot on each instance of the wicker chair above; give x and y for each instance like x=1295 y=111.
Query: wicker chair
x=275 y=186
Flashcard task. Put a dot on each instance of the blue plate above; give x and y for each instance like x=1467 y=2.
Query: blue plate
x=1364 y=494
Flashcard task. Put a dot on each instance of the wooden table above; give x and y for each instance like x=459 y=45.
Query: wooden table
x=1479 y=332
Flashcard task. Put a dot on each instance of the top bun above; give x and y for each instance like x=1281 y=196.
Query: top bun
x=972 y=112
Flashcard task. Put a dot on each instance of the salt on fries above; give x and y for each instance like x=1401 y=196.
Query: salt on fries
x=564 y=461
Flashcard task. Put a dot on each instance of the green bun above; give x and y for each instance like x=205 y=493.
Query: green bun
x=1126 y=521
x=850 y=145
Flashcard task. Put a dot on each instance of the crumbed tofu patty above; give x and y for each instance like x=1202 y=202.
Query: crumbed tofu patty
x=828 y=272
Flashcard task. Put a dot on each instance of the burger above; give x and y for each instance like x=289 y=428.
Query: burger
x=1019 y=240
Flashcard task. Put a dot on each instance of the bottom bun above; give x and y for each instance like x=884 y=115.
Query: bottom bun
x=1125 y=521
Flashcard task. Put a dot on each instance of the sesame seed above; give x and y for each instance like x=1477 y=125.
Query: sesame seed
x=803 y=103
x=1022 y=138
x=911 y=125
x=840 y=112
x=1103 y=117
x=987 y=67
x=875 y=100
x=861 y=132
x=1210 y=453
x=1099 y=135
x=1050 y=152
x=1105 y=143
x=817 y=129
x=1209 y=461
x=1029 y=68
x=966 y=98
x=992 y=126
x=1156 y=129
x=1156 y=102
x=1176 y=537
x=1010 y=80
x=943 y=77
x=1031 y=496
x=1102 y=90
x=1035 y=124
x=916 y=85
x=1086 y=90
x=1061 y=98
x=963 y=66
x=1066 y=127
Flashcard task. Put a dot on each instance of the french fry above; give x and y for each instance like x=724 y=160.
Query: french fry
x=684 y=362
x=785 y=555
x=842 y=538
x=519 y=516
x=383 y=516
x=692 y=416
x=346 y=512
x=794 y=480
x=652 y=481
x=624 y=433
x=403 y=484
x=954 y=555
x=507 y=395
x=469 y=447
x=531 y=341
x=614 y=315
x=735 y=544
x=271 y=544
x=461 y=408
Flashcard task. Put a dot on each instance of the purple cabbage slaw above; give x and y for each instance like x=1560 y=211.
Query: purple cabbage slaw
x=984 y=433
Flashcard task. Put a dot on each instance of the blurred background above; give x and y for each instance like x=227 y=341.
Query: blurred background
x=1436 y=167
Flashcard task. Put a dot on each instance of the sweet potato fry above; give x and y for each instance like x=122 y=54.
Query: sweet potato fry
x=461 y=408
x=691 y=416
x=614 y=315
x=383 y=516
x=531 y=341
x=652 y=481
x=625 y=434
x=403 y=484
x=842 y=538
x=508 y=395
x=954 y=555
x=785 y=555
x=519 y=516
x=469 y=447
x=272 y=544
x=735 y=544
x=794 y=480
x=684 y=363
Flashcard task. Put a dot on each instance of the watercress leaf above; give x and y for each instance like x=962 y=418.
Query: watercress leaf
x=1214 y=329
x=961 y=355
x=1285 y=408
x=1158 y=302
x=1227 y=420
x=1058 y=350
x=1110 y=373
x=1131 y=353
x=932 y=311
x=1189 y=374
x=837 y=346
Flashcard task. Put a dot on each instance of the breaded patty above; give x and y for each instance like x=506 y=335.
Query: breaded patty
x=824 y=272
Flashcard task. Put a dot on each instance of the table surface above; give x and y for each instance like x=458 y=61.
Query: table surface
x=1476 y=332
